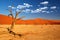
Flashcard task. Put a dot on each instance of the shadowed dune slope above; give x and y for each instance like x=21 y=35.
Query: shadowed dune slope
x=8 y=20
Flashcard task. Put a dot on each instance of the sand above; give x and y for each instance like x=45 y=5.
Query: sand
x=31 y=32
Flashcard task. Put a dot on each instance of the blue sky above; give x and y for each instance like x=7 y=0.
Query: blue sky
x=46 y=9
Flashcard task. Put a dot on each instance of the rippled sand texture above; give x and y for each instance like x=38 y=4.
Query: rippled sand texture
x=31 y=32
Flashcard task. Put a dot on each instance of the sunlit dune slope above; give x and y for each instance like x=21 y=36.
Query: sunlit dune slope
x=5 y=19
x=8 y=20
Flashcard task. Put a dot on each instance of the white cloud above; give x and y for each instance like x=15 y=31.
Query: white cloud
x=26 y=11
x=13 y=7
x=17 y=10
x=39 y=10
x=25 y=5
x=47 y=12
x=53 y=7
x=43 y=8
x=32 y=11
x=45 y=2
x=9 y=6
x=43 y=11
x=36 y=11
x=21 y=6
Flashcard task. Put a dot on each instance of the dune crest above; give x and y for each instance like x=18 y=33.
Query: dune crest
x=8 y=20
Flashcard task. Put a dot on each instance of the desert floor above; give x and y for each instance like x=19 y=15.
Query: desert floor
x=31 y=32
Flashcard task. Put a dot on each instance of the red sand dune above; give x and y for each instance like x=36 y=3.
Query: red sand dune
x=8 y=20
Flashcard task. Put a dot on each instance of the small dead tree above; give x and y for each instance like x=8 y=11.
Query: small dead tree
x=14 y=19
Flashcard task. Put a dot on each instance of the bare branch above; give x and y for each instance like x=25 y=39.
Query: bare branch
x=21 y=17
x=20 y=11
x=17 y=13
x=10 y=15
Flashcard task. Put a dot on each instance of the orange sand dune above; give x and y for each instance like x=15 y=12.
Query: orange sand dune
x=8 y=20
x=5 y=19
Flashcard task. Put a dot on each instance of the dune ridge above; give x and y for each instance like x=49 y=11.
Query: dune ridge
x=8 y=20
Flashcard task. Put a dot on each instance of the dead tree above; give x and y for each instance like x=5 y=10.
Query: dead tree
x=14 y=19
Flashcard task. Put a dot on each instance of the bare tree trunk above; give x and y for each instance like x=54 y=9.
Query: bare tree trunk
x=14 y=21
x=12 y=25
